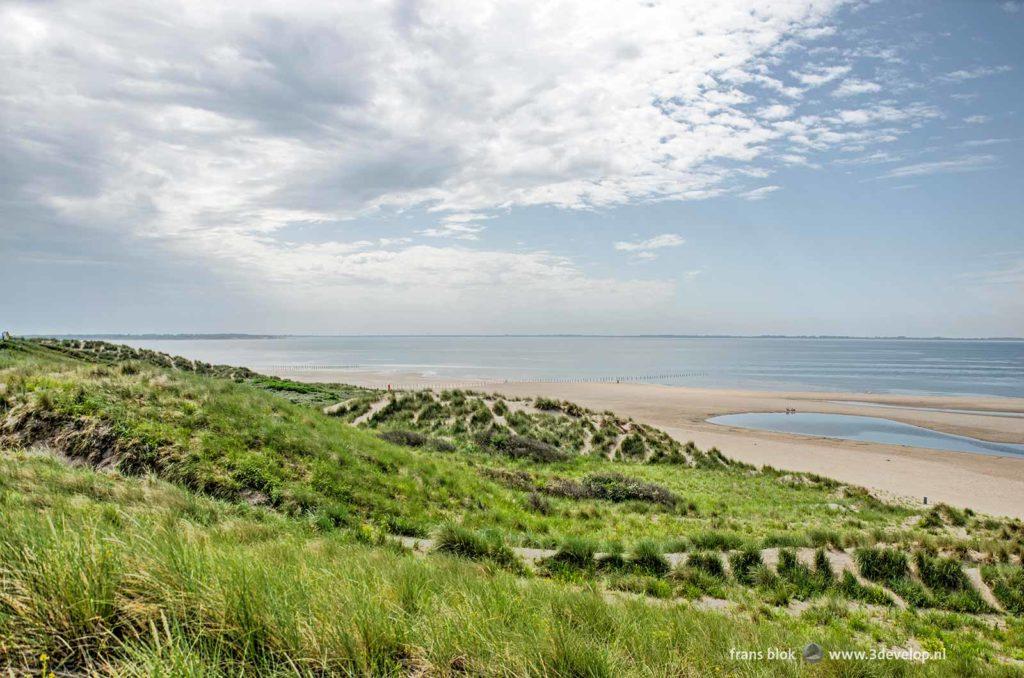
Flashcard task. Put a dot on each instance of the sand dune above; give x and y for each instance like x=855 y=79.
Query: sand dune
x=984 y=483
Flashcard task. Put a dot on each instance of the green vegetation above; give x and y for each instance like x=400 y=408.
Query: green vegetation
x=217 y=521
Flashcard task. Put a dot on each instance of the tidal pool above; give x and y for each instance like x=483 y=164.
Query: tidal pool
x=869 y=429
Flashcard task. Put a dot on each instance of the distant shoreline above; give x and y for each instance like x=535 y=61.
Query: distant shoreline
x=228 y=336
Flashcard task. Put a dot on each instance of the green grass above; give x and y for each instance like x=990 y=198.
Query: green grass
x=254 y=539
x=120 y=576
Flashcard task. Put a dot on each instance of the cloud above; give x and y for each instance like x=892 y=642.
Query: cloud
x=887 y=114
x=775 y=112
x=986 y=142
x=644 y=248
x=964 y=75
x=969 y=163
x=977 y=119
x=759 y=193
x=274 y=117
x=458 y=226
x=853 y=86
x=820 y=75
x=1012 y=6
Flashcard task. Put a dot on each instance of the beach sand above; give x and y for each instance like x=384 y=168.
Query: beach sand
x=989 y=484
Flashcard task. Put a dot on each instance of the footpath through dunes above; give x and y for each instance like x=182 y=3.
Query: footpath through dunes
x=990 y=484
x=538 y=509
x=840 y=562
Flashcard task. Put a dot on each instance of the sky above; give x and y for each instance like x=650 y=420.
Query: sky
x=726 y=167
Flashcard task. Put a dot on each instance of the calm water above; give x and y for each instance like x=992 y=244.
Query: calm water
x=870 y=429
x=859 y=365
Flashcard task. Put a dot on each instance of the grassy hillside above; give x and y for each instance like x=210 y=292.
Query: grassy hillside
x=225 y=523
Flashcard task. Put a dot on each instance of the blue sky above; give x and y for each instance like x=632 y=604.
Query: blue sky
x=738 y=167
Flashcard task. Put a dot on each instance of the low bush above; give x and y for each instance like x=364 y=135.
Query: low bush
x=614 y=487
x=690 y=582
x=854 y=590
x=459 y=541
x=823 y=567
x=1007 y=584
x=743 y=563
x=577 y=553
x=882 y=564
x=942 y=574
x=647 y=557
x=805 y=583
x=407 y=438
x=517 y=446
x=711 y=563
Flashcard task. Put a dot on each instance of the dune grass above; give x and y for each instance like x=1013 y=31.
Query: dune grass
x=126 y=577
x=254 y=539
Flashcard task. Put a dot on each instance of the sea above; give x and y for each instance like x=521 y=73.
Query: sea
x=904 y=366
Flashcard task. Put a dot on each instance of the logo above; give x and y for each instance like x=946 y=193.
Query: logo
x=813 y=653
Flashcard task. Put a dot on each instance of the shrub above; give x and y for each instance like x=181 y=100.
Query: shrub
x=692 y=583
x=881 y=564
x=804 y=582
x=943 y=574
x=538 y=503
x=613 y=487
x=517 y=446
x=618 y=488
x=823 y=567
x=459 y=541
x=547 y=404
x=913 y=592
x=932 y=519
x=1007 y=583
x=576 y=552
x=613 y=559
x=743 y=563
x=776 y=589
x=633 y=447
x=710 y=563
x=406 y=438
x=854 y=590
x=647 y=557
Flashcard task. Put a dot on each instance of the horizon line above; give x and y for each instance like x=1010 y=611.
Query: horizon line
x=248 y=335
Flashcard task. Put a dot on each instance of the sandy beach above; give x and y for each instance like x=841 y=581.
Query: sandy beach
x=985 y=483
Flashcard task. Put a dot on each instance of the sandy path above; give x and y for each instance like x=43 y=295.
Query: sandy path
x=989 y=484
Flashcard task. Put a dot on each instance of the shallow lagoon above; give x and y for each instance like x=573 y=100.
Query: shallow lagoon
x=868 y=429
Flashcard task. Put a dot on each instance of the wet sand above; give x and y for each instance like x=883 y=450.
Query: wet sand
x=985 y=483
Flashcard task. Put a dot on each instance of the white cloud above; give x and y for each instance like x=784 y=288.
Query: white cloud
x=969 y=163
x=887 y=114
x=963 y=75
x=276 y=114
x=976 y=119
x=644 y=247
x=986 y=142
x=854 y=86
x=459 y=226
x=759 y=193
x=775 y=112
x=1012 y=6
x=821 y=75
